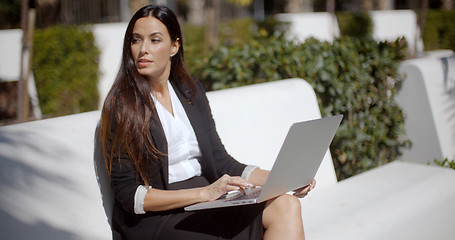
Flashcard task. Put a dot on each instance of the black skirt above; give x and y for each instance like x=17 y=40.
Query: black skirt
x=240 y=222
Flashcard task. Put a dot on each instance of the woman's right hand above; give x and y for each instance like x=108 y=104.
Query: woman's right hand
x=225 y=184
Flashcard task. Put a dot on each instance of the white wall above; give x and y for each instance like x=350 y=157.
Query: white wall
x=10 y=57
x=320 y=25
x=10 y=64
x=109 y=39
x=389 y=25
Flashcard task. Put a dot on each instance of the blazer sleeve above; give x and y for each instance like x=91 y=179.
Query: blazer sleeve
x=222 y=161
x=123 y=177
x=124 y=182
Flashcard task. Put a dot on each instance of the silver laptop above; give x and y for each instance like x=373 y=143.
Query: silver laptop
x=296 y=165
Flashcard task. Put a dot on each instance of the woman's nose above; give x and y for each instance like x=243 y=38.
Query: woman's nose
x=144 y=48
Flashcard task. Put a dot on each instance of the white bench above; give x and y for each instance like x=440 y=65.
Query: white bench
x=427 y=98
x=49 y=186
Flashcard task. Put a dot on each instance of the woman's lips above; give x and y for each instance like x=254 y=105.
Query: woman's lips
x=142 y=62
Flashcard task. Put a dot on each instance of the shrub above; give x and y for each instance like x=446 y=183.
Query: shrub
x=238 y=31
x=232 y=32
x=358 y=25
x=445 y=163
x=65 y=66
x=193 y=41
x=439 y=32
x=356 y=78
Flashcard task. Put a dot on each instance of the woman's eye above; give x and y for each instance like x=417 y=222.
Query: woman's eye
x=156 y=40
x=135 y=40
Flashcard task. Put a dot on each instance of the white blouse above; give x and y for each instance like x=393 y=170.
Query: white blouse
x=183 y=147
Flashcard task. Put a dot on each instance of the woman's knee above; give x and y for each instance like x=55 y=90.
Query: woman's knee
x=288 y=203
x=284 y=204
x=282 y=211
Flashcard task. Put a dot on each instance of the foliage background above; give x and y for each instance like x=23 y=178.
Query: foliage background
x=351 y=76
x=439 y=31
x=65 y=66
x=358 y=24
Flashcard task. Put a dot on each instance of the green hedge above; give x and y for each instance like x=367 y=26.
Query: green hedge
x=65 y=66
x=358 y=25
x=439 y=32
x=193 y=40
x=237 y=31
x=356 y=78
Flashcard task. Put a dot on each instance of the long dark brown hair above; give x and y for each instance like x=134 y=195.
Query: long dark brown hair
x=128 y=106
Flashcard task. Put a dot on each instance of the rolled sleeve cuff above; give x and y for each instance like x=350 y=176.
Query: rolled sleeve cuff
x=247 y=171
x=139 y=197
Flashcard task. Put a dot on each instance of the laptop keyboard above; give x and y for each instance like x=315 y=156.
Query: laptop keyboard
x=250 y=193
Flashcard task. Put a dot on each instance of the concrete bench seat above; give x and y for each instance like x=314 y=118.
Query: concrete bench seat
x=52 y=184
x=400 y=200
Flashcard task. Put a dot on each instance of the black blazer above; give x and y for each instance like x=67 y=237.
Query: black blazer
x=215 y=160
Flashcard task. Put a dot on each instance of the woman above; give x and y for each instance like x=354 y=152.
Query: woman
x=163 y=152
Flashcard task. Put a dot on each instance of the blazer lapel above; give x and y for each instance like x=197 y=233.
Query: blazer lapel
x=159 y=139
x=197 y=121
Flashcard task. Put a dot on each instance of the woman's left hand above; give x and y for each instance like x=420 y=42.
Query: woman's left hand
x=303 y=191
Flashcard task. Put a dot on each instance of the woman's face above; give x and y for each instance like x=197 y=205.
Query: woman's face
x=152 y=49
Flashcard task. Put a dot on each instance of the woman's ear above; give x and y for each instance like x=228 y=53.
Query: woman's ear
x=175 y=47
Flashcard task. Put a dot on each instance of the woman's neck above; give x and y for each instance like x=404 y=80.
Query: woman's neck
x=161 y=92
x=160 y=84
x=160 y=88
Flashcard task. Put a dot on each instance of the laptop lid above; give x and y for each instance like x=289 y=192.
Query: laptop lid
x=296 y=164
x=300 y=156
